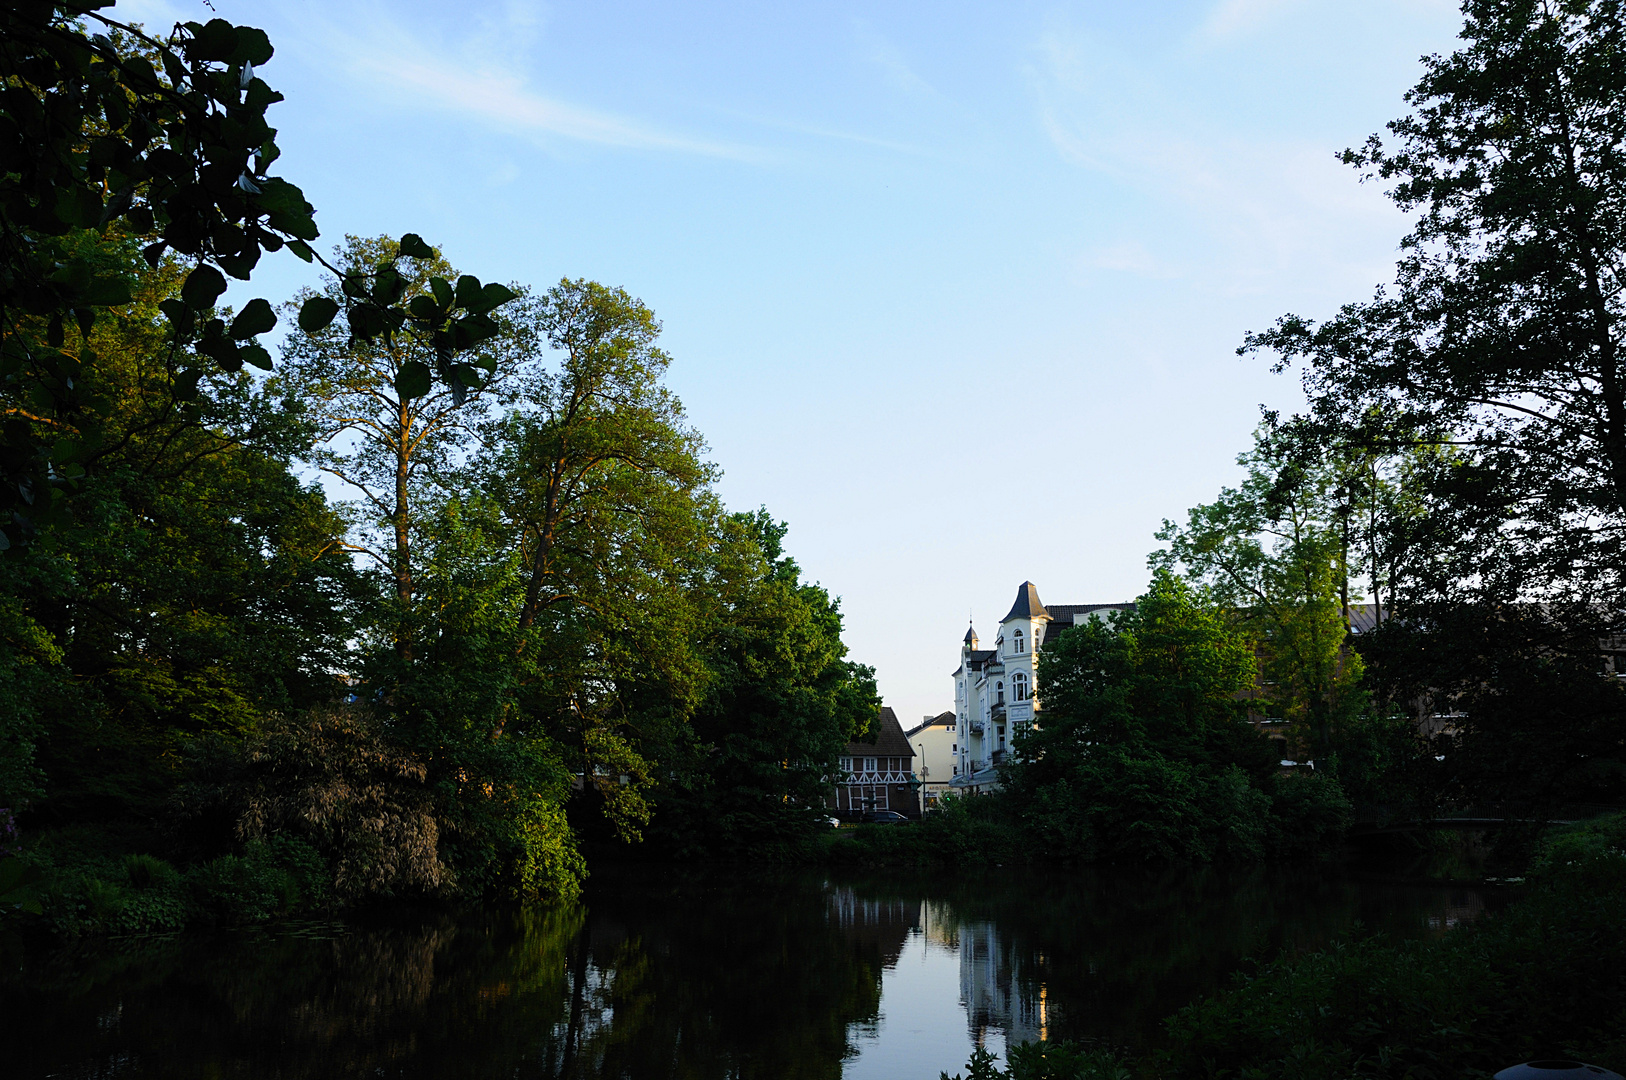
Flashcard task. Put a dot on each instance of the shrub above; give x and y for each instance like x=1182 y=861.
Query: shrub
x=1308 y=814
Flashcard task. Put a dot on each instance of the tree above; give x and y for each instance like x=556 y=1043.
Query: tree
x=1277 y=552
x=192 y=584
x=781 y=702
x=1145 y=751
x=383 y=431
x=1499 y=349
x=106 y=129
x=1501 y=335
x=606 y=508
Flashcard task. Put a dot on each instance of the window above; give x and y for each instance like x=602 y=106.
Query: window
x=999 y=693
x=1016 y=642
x=954 y=748
x=869 y=764
x=1019 y=686
x=846 y=764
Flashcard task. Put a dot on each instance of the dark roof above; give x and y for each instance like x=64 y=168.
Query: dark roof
x=889 y=738
x=1363 y=618
x=1027 y=604
x=970 y=634
x=942 y=719
x=1061 y=616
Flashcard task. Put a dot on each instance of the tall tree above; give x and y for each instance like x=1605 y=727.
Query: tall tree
x=1144 y=750
x=192 y=585
x=781 y=702
x=606 y=502
x=1499 y=344
x=383 y=429
x=1501 y=336
x=104 y=127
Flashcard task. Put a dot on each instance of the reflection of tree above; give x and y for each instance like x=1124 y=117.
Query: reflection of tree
x=404 y=1001
x=1116 y=950
x=738 y=980
x=662 y=976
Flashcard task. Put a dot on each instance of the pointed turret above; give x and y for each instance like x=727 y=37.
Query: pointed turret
x=1027 y=604
x=971 y=637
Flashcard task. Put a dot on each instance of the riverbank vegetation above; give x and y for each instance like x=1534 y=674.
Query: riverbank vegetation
x=442 y=599
x=1538 y=980
x=513 y=625
x=533 y=623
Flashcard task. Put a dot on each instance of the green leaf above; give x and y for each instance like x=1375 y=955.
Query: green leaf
x=253 y=46
x=203 y=287
x=366 y=321
x=216 y=40
x=316 y=313
x=468 y=291
x=256 y=355
x=106 y=292
x=413 y=380
x=255 y=318
x=302 y=250
x=442 y=290
x=186 y=384
x=387 y=285
x=279 y=196
x=491 y=297
x=425 y=309
x=78 y=205
x=413 y=247
x=301 y=224
x=180 y=316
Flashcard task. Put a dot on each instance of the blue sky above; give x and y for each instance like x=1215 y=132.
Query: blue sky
x=953 y=288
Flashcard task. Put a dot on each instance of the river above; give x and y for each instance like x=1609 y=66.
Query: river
x=662 y=973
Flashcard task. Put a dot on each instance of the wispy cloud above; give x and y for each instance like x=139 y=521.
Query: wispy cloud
x=1231 y=17
x=876 y=50
x=479 y=77
x=1248 y=213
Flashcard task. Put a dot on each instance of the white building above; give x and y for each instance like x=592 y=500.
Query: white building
x=936 y=744
x=993 y=688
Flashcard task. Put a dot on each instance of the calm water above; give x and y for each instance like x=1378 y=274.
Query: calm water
x=721 y=974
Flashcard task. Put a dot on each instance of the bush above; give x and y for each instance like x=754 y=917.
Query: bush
x=1541 y=979
x=1592 y=853
x=1045 y=1061
x=1308 y=814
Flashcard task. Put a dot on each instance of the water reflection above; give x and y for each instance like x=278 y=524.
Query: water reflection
x=721 y=974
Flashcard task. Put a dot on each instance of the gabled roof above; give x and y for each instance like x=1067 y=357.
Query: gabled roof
x=942 y=719
x=1027 y=604
x=1061 y=617
x=889 y=738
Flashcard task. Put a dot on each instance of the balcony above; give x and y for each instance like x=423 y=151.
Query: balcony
x=978 y=727
x=996 y=711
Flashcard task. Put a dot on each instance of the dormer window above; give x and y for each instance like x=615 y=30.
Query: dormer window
x=1016 y=642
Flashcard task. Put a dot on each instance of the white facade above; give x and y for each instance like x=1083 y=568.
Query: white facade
x=994 y=688
x=936 y=743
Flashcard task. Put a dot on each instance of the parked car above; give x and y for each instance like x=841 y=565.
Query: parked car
x=885 y=817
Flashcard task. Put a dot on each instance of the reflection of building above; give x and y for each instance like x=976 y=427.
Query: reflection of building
x=884 y=924
x=937 y=751
x=994 y=688
x=995 y=992
x=878 y=775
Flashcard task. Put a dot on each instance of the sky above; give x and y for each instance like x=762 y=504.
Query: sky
x=954 y=289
